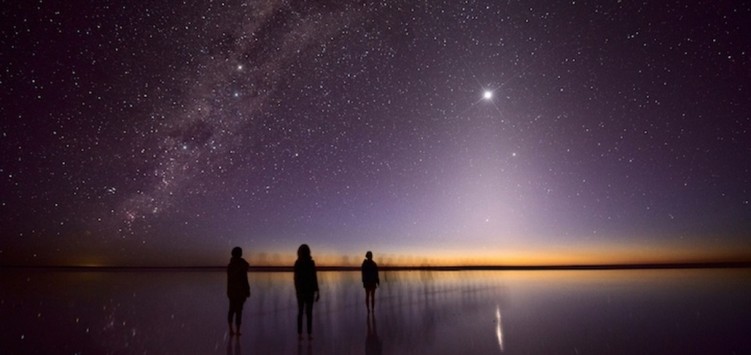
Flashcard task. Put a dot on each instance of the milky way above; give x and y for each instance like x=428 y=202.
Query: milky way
x=142 y=134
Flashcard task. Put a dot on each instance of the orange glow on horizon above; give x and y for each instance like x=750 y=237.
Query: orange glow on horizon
x=549 y=256
x=529 y=254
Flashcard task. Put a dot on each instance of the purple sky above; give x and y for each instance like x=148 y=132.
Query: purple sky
x=166 y=134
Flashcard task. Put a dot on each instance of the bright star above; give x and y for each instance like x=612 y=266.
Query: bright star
x=487 y=95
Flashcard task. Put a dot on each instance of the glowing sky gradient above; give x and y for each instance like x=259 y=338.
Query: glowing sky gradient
x=435 y=132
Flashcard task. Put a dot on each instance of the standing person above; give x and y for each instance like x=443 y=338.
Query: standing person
x=238 y=288
x=370 y=280
x=306 y=287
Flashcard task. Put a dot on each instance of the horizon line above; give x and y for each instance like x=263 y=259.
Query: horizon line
x=279 y=268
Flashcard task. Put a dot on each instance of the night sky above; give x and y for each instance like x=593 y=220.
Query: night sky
x=496 y=132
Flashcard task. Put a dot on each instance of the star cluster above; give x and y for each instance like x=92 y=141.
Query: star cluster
x=167 y=133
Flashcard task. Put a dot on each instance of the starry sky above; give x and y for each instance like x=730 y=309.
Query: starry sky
x=431 y=132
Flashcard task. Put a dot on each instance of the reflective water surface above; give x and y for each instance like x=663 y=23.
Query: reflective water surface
x=438 y=312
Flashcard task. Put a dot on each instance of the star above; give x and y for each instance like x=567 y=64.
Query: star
x=256 y=111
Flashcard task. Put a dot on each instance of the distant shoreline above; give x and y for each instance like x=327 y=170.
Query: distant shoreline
x=718 y=265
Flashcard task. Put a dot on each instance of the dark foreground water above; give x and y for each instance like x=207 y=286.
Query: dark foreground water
x=439 y=312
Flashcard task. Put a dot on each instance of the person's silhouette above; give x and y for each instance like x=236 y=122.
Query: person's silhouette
x=238 y=288
x=306 y=287
x=370 y=280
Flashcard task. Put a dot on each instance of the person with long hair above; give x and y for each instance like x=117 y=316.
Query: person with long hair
x=306 y=287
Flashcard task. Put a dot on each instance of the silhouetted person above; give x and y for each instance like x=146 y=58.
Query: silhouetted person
x=238 y=288
x=370 y=280
x=306 y=287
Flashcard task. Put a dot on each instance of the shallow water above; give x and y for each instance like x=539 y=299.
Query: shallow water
x=437 y=312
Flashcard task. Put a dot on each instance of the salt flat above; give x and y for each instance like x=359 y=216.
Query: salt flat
x=417 y=312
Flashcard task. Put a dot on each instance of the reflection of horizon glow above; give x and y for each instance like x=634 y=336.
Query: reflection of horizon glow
x=134 y=312
x=498 y=328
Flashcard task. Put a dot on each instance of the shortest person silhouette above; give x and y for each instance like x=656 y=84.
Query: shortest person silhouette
x=370 y=280
x=238 y=288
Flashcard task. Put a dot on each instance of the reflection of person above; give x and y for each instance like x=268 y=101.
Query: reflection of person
x=233 y=346
x=373 y=343
x=370 y=280
x=238 y=288
x=306 y=287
